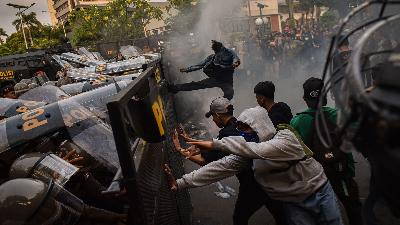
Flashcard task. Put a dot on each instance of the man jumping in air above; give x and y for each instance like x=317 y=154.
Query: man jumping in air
x=219 y=68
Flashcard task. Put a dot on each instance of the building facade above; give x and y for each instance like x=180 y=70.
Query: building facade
x=59 y=10
x=268 y=13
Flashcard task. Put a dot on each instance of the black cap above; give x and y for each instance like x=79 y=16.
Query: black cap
x=312 y=88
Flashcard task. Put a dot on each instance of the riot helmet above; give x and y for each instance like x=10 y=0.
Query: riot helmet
x=29 y=201
x=43 y=167
x=369 y=106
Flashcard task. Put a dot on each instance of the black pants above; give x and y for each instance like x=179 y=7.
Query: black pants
x=250 y=199
x=226 y=86
x=346 y=190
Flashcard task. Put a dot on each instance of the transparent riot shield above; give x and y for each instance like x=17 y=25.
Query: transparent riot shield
x=130 y=51
x=52 y=166
x=48 y=94
x=89 y=133
x=3 y=137
x=337 y=68
x=95 y=101
x=12 y=107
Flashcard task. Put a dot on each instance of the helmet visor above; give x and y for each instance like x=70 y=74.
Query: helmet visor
x=55 y=168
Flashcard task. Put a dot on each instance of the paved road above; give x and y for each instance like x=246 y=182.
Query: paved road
x=212 y=210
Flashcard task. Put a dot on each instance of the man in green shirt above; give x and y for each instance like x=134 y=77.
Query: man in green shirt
x=340 y=172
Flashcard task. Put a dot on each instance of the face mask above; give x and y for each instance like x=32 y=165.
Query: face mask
x=250 y=136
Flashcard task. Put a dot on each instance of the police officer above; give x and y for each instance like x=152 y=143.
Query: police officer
x=369 y=116
x=219 y=68
x=81 y=182
x=29 y=201
x=7 y=90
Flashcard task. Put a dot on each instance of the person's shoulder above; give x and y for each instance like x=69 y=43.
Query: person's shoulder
x=330 y=111
x=283 y=105
x=228 y=131
x=301 y=116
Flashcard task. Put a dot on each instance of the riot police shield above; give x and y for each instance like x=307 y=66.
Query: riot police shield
x=92 y=82
x=80 y=125
x=130 y=51
x=43 y=166
x=48 y=94
x=349 y=32
x=366 y=90
x=12 y=107
x=89 y=133
x=140 y=109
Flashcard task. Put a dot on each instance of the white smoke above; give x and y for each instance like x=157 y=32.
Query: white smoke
x=192 y=46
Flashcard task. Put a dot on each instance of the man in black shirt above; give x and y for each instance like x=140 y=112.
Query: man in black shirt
x=221 y=111
x=278 y=112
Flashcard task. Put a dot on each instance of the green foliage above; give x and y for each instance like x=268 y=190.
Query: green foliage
x=329 y=19
x=43 y=37
x=306 y=5
x=186 y=17
x=118 y=20
x=29 y=20
x=341 y=6
x=180 y=4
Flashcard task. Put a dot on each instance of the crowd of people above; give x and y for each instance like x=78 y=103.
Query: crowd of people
x=281 y=53
x=277 y=160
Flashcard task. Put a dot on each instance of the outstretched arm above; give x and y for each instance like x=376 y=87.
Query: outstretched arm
x=239 y=146
x=197 y=66
x=210 y=173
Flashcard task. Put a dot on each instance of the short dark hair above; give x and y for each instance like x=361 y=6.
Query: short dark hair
x=216 y=45
x=266 y=89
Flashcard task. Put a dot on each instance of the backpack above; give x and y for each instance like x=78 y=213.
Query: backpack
x=325 y=156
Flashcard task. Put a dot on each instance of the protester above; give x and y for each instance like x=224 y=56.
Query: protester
x=221 y=111
x=281 y=167
x=279 y=112
x=219 y=68
x=251 y=197
x=340 y=172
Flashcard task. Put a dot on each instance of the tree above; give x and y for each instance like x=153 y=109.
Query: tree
x=290 y=5
x=329 y=19
x=341 y=6
x=186 y=17
x=118 y=20
x=43 y=37
x=2 y=34
x=29 y=20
